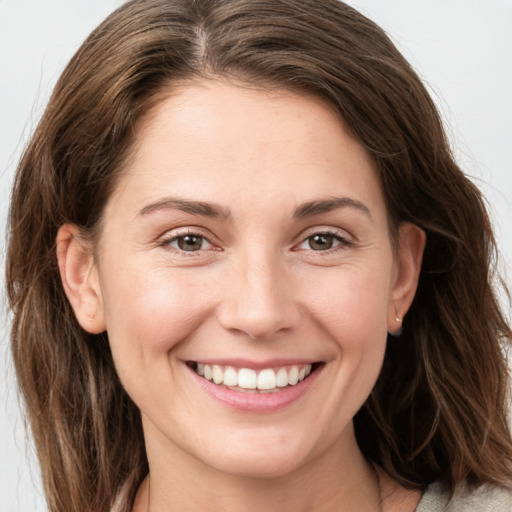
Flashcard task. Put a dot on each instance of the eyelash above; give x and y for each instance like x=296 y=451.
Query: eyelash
x=343 y=240
x=168 y=242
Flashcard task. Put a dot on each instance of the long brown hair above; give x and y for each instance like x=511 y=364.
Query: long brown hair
x=438 y=410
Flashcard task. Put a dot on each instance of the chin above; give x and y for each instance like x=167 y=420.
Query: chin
x=262 y=454
x=265 y=465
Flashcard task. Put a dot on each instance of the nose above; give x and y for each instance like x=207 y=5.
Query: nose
x=257 y=298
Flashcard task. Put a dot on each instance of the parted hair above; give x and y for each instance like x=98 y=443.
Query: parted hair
x=439 y=408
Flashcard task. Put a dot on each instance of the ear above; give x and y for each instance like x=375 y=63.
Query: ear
x=412 y=241
x=80 y=279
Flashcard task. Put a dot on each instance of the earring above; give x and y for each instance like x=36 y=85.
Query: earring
x=397 y=332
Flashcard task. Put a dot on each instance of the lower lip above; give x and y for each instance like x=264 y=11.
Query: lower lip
x=258 y=402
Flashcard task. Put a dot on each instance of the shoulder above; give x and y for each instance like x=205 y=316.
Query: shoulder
x=485 y=498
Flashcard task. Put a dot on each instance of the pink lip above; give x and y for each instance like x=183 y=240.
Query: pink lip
x=257 y=402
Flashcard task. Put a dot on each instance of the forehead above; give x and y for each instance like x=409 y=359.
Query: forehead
x=222 y=142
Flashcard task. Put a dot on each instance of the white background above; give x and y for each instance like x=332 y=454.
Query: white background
x=461 y=48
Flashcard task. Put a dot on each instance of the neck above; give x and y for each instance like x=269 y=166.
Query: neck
x=340 y=479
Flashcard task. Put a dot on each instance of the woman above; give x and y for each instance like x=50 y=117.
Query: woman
x=246 y=273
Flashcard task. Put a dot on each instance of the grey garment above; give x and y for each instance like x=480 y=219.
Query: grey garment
x=486 y=498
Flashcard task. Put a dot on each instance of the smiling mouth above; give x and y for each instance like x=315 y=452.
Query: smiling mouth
x=267 y=380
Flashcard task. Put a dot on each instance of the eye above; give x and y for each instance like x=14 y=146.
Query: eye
x=324 y=241
x=188 y=242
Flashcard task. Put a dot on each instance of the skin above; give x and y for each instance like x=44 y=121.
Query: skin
x=256 y=288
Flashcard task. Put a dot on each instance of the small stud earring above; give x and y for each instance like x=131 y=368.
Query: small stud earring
x=396 y=333
x=91 y=317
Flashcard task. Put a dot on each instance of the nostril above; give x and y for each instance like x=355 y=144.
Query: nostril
x=258 y=305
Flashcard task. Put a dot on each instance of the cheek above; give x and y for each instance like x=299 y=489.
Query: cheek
x=150 y=312
x=351 y=303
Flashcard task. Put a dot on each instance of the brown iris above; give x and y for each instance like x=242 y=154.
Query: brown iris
x=321 y=242
x=190 y=242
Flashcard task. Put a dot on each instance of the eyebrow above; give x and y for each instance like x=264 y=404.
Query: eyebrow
x=203 y=208
x=208 y=209
x=328 y=205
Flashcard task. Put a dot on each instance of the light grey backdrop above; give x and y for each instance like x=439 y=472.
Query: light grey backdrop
x=462 y=49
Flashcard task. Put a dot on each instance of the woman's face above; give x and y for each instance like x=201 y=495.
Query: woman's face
x=247 y=242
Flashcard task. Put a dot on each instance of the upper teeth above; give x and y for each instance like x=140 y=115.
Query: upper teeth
x=247 y=378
